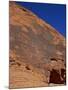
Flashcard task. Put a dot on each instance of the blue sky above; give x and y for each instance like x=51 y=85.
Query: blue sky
x=54 y=14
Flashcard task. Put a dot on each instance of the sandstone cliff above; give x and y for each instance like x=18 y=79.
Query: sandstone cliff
x=37 y=51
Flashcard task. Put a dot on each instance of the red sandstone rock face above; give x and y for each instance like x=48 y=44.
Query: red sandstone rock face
x=37 y=51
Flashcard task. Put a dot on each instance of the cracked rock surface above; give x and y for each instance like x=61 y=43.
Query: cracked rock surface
x=37 y=51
